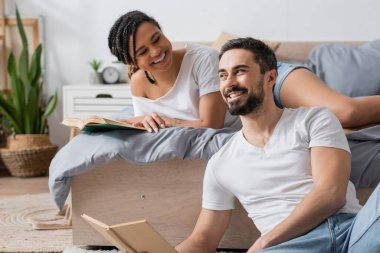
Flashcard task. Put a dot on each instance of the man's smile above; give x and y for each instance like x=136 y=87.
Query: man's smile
x=234 y=93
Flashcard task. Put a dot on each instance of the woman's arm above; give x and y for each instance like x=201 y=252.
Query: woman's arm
x=212 y=110
x=301 y=88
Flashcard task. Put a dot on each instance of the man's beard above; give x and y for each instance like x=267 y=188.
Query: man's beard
x=252 y=104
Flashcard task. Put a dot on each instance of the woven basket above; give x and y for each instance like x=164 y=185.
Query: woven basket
x=29 y=162
x=2 y=167
x=23 y=141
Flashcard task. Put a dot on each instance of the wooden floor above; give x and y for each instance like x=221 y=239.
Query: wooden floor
x=12 y=186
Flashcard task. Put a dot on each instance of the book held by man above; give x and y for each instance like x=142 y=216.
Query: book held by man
x=97 y=124
x=132 y=237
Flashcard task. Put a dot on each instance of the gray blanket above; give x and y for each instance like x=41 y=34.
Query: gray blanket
x=88 y=150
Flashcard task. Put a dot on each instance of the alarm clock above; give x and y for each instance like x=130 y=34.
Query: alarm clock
x=110 y=75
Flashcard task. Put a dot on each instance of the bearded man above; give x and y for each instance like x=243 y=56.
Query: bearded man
x=289 y=168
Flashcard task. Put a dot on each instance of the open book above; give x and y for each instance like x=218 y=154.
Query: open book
x=133 y=237
x=97 y=123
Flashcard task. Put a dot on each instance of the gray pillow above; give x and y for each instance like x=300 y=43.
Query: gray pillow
x=351 y=71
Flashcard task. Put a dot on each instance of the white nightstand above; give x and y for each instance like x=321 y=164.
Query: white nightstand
x=85 y=100
x=104 y=100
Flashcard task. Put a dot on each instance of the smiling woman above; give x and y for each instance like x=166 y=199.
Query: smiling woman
x=169 y=87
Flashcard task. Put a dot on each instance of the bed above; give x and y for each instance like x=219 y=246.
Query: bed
x=165 y=185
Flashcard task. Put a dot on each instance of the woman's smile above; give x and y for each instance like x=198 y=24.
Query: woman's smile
x=161 y=58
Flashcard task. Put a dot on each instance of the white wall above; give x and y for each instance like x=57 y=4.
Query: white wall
x=76 y=30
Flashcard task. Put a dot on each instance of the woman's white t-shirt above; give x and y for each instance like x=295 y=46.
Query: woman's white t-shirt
x=198 y=76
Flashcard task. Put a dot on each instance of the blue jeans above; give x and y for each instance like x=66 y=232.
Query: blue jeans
x=340 y=233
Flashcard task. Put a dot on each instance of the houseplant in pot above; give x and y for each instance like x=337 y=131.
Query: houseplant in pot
x=95 y=75
x=28 y=149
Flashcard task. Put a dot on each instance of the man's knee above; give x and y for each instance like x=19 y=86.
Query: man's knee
x=369 y=241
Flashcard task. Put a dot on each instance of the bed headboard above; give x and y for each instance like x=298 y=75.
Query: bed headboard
x=298 y=51
x=289 y=50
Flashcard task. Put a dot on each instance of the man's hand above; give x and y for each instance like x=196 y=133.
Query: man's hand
x=207 y=233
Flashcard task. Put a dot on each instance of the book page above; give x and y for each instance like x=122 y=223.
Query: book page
x=142 y=237
x=98 y=124
x=121 y=123
x=94 y=119
x=108 y=233
x=104 y=121
x=73 y=122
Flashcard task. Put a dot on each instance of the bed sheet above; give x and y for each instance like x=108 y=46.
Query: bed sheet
x=88 y=151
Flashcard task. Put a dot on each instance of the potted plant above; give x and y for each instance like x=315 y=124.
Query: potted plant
x=96 y=76
x=28 y=149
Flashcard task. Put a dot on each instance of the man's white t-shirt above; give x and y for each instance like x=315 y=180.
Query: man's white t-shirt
x=270 y=181
x=197 y=76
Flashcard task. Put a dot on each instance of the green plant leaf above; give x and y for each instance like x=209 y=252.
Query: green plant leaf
x=8 y=112
x=95 y=64
x=24 y=68
x=17 y=96
x=21 y=30
x=35 y=66
x=24 y=56
x=36 y=108
x=31 y=115
x=51 y=105
x=12 y=67
x=22 y=109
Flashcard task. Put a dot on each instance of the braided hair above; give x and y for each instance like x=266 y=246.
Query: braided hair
x=118 y=39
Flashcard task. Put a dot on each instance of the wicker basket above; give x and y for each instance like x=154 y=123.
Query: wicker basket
x=28 y=155
x=3 y=169
x=29 y=162
x=24 y=141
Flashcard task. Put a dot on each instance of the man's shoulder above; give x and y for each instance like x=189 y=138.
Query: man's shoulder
x=317 y=123
x=308 y=113
x=229 y=146
x=304 y=121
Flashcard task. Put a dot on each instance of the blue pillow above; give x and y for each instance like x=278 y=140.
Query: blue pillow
x=352 y=71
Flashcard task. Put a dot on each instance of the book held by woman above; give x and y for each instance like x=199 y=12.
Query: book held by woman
x=97 y=124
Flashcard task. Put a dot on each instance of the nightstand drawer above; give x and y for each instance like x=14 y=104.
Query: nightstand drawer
x=103 y=100
x=99 y=93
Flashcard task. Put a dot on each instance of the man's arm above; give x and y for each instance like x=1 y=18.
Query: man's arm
x=207 y=233
x=330 y=170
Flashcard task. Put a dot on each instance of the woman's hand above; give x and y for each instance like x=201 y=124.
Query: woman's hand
x=257 y=246
x=152 y=122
